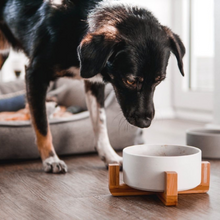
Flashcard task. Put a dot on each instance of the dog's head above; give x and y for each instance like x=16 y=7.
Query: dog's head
x=132 y=54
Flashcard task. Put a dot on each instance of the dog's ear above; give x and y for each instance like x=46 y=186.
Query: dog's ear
x=176 y=47
x=94 y=51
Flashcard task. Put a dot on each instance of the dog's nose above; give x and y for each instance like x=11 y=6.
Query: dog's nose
x=139 y=120
x=143 y=122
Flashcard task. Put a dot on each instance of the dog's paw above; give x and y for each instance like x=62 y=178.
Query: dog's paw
x=114 y=160
x=54 y=165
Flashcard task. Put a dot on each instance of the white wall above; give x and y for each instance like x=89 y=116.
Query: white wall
x=216 y=120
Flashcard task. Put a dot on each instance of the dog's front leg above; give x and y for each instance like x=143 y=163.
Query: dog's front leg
x=36 y=84
x=95 y=103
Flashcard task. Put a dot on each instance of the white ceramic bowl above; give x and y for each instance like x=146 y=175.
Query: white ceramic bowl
x=207 y=140
x=144 y=166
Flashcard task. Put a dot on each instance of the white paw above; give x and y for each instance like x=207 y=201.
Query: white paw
x=54 y=165
x=112 y=158
x=117 y=159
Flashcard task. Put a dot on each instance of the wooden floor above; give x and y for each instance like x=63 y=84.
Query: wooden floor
x=28 y=193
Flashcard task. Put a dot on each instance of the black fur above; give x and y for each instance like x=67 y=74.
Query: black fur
x=49 y=37
x=141 y=48
x=125 y=45
x=97 y=90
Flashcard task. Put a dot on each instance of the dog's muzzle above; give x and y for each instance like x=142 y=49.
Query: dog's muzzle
x=141 y=122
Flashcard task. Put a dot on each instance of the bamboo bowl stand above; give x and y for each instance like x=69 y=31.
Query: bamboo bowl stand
x=170 y=196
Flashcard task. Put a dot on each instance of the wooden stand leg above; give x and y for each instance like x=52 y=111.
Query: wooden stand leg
x=205 y=180
x=170 y=196
x=113 y=175
x=117 y=189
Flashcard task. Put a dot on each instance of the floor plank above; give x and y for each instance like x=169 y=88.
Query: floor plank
x=26 y=192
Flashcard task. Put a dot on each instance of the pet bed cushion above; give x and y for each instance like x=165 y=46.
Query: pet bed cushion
x=71 y=135
x=12 y=104
x=12 y=96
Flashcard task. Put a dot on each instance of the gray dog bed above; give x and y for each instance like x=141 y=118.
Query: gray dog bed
x=72 y=135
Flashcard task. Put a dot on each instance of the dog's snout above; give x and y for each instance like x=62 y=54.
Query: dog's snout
x=143 y=122
x=139 y=120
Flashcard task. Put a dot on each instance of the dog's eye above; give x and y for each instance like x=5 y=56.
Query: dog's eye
x=130 y=82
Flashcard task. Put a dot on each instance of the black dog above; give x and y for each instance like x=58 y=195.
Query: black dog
x=100 y=41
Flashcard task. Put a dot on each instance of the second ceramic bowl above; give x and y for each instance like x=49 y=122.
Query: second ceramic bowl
x=205 y=139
